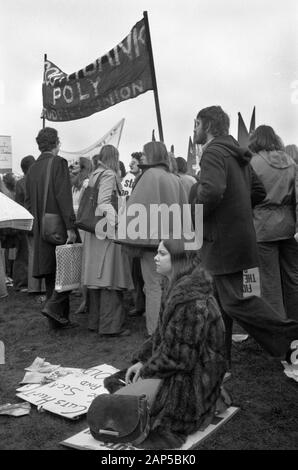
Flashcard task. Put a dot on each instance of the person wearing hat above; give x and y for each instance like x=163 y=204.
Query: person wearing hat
x=156 y=186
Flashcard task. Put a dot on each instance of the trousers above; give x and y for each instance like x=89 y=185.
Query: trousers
x=279 y=275
x=254 y=315
x=152 y=288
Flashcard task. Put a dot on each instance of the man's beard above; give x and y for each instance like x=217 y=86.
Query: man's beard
x=200 y=138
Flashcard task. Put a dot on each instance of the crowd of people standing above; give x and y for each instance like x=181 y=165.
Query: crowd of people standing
x=190 y=298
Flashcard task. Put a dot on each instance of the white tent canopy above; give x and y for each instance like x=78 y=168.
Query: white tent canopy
x=13 y=215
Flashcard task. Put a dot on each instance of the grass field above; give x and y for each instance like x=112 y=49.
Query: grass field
x=268 y=400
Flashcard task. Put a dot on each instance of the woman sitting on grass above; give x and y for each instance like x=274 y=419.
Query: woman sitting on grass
x=187 y=351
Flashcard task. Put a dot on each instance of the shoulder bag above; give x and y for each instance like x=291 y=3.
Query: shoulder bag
x=86 y=218
x=53 y=228
x=125 y=415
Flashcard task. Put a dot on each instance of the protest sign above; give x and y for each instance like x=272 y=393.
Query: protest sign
x=251 y=282
x=70 y=396
x=5 y=154
x=112 y=137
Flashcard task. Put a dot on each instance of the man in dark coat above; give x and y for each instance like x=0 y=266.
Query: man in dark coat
x=59 y=201
x=228 y=188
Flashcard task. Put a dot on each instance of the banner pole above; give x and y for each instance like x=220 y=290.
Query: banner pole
x=153 y=76
x=44 y=64
x=120 y=133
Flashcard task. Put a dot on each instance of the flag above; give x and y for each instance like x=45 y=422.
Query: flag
x=253 y=121
x=191 y=158
x=121 y=74
x=111 y=137
x=242 y=132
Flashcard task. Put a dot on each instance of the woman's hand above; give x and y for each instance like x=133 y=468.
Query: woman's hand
x=133 y=373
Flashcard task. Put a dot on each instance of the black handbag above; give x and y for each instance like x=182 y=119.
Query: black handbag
x=53 y=228
x=119 y=418
x=86 y=218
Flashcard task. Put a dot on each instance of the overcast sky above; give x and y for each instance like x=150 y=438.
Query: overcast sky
x=235 y=53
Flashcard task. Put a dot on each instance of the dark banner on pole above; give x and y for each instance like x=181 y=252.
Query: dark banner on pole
x=121 y=74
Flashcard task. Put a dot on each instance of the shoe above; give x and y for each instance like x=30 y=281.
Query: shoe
x=69 y=325
x=135 y=313
x=82 y=309
x=54 y=316
x=116 y=335
x=227 y=377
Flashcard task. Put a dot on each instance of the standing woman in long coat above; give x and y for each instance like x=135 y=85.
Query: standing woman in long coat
x=106 y=269
x=59 y=201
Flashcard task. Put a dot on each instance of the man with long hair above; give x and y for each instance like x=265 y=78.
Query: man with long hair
x=228 y=190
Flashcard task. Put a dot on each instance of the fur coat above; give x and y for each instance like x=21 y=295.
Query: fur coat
x=187 y=351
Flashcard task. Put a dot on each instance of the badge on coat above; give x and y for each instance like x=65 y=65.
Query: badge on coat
x=251 y=282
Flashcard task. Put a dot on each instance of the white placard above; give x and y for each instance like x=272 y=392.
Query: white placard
x=251 y=282
x=70 y=396
x=5 y=153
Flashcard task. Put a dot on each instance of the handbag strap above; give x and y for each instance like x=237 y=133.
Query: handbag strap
x=46 y=188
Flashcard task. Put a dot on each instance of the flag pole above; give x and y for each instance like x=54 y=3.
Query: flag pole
x=120 y=132
x=44 y=65
x=153 y=76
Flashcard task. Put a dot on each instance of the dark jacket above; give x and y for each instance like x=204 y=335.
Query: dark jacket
x=20 y=191
x=59 y=201
x=187 y=351
x=228 y=189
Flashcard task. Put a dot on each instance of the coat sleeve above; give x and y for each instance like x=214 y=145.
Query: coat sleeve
x=212 y=182
x=258 y=191
x=27 y=201
x=181 y=344
x=296 y=197
x=62 y=191
x=104 y=205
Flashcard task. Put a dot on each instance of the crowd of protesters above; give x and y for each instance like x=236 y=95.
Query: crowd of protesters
x=250 y=227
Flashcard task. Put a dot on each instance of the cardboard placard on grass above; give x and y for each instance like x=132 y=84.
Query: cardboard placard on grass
x=70 y=396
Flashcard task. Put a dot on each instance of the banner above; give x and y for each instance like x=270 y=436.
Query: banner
x=112 y=137
x=5 y=154
x=121 y=74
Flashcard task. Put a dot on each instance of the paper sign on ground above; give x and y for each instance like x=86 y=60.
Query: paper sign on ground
x=18 y=409
x=70 y=396
x=291 y=370
x=84 y=440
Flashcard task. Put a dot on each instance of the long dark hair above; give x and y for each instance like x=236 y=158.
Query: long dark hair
x=109 y=156
x=264 y=138
x=183 y=261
